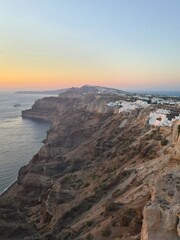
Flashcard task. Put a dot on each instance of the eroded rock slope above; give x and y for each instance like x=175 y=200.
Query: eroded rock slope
x=101 y=174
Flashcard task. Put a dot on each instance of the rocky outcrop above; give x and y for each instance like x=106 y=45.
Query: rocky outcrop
x=46 y=108
x=176 y=139
x=100 y=175
x=161 y=213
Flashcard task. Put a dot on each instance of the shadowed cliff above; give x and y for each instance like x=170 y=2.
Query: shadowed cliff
x=101 y=174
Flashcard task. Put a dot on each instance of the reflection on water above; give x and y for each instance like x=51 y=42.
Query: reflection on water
x=20 y=138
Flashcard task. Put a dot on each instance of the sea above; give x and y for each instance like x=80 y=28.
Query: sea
x=20 y=139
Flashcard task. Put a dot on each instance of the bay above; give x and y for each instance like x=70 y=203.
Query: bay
x=20 y=138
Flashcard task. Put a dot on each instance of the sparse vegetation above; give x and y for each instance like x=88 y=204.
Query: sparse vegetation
x=100 y=188
x=113 y=223
x=94 y=176
x=178 y=128
x=66 y=178
x=89 y=237
x=112 y=207
x=164 y=142
x=157 y=137
x=89 y=223
x=78 y=183
x=86 y=185
x=106 y=232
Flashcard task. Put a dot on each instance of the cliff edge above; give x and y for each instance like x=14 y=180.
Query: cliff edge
x=104 y=172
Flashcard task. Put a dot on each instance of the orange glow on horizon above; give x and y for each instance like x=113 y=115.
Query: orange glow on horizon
x=32 y=76
x=57 y=44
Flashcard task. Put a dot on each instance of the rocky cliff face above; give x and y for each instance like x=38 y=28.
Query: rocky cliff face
x=100 y=175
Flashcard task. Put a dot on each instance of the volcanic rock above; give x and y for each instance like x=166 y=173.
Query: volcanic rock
x=100 y=175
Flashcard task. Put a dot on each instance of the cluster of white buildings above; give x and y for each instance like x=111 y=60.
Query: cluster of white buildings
x=125 y=106
x=157 y=118
x=163 y=101
x=158 y=100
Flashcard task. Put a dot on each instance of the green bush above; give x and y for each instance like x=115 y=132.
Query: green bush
x=66 y=178
x=164 y=142
x=86 y=185
x=89 y=237
x=178 y=128
x=101 y=187
x=89 y=223
x=94 y=176
x=106 y=232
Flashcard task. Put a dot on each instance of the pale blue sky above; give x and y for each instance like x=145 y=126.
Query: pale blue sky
x=137 y=41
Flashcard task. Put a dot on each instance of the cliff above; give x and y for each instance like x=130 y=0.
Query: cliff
x=101 y=174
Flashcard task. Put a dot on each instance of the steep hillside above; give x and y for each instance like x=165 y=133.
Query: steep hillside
x=103 y=173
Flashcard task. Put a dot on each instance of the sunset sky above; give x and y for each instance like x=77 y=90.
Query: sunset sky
x=52 y=44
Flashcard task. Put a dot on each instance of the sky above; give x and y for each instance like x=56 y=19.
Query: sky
x=127 y=44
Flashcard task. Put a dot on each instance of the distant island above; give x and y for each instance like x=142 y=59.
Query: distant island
x=54 y=92
x=83 y=89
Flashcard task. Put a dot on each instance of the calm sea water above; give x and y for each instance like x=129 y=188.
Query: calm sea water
x=20 y=138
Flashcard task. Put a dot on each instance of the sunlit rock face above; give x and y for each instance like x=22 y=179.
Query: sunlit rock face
x=161 y=214
x=176 y=139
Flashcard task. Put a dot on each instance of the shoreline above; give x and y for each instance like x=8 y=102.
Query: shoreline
x=6 y=190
